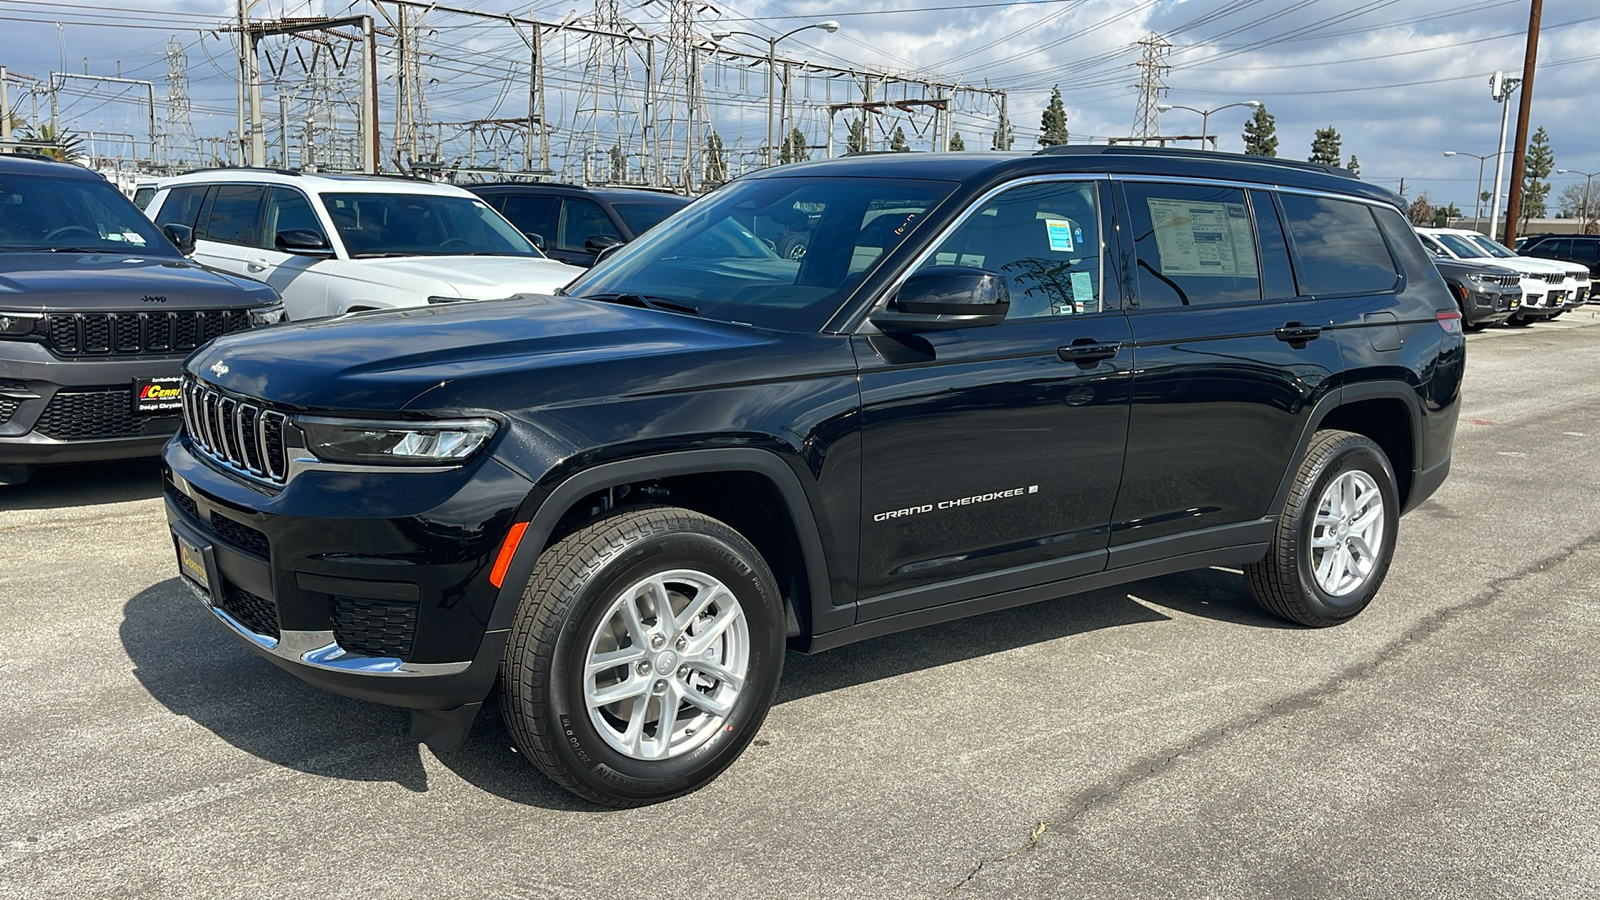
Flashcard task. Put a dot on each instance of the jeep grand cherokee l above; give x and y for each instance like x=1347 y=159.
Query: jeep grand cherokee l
x=992 y=379
x=97 y=310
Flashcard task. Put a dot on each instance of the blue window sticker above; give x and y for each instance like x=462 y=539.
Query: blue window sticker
x=1083 y=293
x=1060 y=233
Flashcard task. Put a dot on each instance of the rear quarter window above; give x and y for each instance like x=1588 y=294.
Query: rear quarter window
x=1338 y=245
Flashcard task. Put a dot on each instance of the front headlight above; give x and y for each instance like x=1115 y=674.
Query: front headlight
x=440 y=442
x=266 y=315
x=18 y=324
x=1479 y=278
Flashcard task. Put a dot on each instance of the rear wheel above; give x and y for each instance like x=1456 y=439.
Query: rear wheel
x=15 y=474
x=644 y=656
x=1336 y=534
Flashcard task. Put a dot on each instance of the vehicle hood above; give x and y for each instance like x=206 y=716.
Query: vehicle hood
x=1527 y=265
x=380 y=361
x=475 y=277
x=1475 y=267
x=78 y=282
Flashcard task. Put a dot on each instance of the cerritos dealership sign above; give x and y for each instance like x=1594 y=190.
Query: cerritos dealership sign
x=157 y=394
x=953 y=504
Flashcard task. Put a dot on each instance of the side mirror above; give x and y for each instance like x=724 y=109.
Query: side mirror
x=181 y=236
x=535 y=238
x=600 y=243
x=940 y=298
x=302 y=242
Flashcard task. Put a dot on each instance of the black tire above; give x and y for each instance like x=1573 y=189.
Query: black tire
x=1283 y=583
x=567 y=602
x=1556 y=315
x=794 y=246
x=15 y=474
x=1461 y=304
x=1518 y=320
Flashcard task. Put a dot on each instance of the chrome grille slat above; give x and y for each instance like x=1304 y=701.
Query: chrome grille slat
x=238 y=434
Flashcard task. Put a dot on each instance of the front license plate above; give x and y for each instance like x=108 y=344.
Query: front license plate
x=192 y=563
x=157 y=395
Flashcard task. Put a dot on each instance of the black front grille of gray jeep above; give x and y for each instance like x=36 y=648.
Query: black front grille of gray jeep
x=374 y=627
x=237 y=433
x=85 y=415
x=258 y=614
x=8 y=408
x=135 y=333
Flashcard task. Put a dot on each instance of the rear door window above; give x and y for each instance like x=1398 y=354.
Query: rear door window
x=581 y=220
x=235 y=216
x=1338 y=247
x=531 y=214
x=1195 y=243
x=182 y=206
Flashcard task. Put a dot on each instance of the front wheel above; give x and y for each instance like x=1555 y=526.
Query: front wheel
x=1335 y=537
x=644 y=656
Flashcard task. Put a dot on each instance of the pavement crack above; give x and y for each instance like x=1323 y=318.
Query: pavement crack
x=1155 y=764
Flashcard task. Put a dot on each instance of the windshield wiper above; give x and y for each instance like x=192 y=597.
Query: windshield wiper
x=644 y=302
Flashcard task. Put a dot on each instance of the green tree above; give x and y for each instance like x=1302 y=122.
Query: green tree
x=1443 y=215
x=855 y=139
x=956 y=143
x=897 y=143
x=1536 y=167
x=1354 y=166
x=1053 y=123
x=66 y=146
x=1261 y=134
x=794 y=148
x=716 y=159
x=1325 y=146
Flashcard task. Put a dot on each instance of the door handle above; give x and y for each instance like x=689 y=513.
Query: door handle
x=256 y=265
x=1295 y=333
x=1088 y=351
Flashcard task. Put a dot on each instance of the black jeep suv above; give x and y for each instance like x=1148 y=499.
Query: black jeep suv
x=97 y=311
x=992 y=379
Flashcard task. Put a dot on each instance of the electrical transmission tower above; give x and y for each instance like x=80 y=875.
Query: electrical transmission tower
x=606 y=131
x=179 y=141
x=680 y=113
x=1152 y=66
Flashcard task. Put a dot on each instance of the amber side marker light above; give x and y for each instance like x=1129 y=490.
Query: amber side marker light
x=508 y=549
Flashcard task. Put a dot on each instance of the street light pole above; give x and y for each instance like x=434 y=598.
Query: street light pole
x=772 y=65
x=1205 y=115
x=1477 y=198
x=1588 y=179
x=1500 y=88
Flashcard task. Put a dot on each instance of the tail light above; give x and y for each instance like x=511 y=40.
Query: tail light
x=1449 y=320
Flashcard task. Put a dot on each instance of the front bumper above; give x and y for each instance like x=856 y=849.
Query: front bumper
x=370 y=585
x=55 y=410
x=1491 y=305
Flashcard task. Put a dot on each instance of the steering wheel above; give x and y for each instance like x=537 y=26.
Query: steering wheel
x=456 y=240
x=68 y=229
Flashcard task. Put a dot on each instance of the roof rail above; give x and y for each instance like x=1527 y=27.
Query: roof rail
x=1124 y=150
x=244 y=169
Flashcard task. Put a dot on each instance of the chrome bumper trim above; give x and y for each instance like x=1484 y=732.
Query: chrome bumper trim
x=318 y=650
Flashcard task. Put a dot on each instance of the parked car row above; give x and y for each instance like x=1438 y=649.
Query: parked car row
x=1494 y=285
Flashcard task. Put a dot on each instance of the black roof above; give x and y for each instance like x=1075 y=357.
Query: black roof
x=30 y=164
x=614 y=194
x=1111 y=159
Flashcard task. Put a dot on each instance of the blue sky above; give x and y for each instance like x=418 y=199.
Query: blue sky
x=1402 y=80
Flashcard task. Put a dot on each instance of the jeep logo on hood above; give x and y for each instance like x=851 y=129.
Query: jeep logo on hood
x=150 y=298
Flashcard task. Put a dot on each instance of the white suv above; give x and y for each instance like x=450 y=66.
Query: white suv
x=333 y=244
x=1549 y=288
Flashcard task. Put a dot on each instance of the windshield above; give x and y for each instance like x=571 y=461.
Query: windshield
x=721 y=258
x=642 y=217
x=402 y=224
x=43 y=212
x=1491 y=248
x=1460 y=246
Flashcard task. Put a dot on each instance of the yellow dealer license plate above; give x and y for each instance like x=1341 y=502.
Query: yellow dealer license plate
x=192 y=562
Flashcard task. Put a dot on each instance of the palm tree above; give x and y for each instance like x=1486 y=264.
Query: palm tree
x=66 y=146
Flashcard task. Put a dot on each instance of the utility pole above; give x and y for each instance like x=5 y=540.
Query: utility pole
x=5 y=107
x=1524 y=108
x=1152 y=65
x=1500 y=88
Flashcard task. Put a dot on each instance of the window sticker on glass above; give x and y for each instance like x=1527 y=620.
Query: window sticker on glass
x=1083 y=298
x=1060 y=232
x=1199 y=238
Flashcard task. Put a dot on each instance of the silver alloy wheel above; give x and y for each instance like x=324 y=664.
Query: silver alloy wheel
x=1347 y=533
x=666 y=664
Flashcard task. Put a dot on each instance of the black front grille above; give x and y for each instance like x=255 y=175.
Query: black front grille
x=8 y=408
x=81 y=415
x=237 y=433
x=258 y=614
x=1506 y=280
x=133 y=333
x=1553 y=277
x=374 y=627
x=240 y=535
x=184 y=502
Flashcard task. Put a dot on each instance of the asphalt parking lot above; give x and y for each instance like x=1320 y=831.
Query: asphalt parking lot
x=1160 y=740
